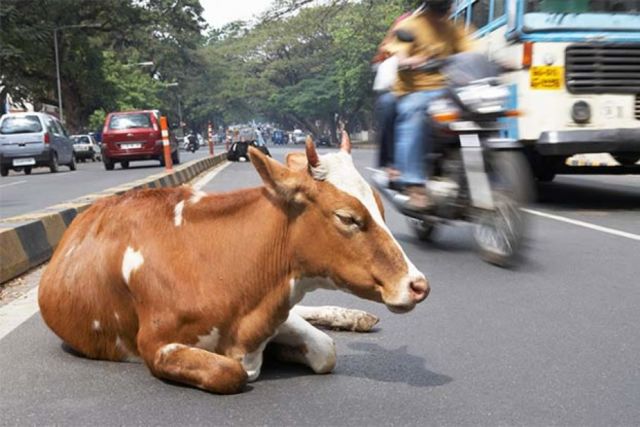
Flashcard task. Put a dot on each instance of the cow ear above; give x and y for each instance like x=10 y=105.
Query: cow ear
x=279 y=180
x=297 y=161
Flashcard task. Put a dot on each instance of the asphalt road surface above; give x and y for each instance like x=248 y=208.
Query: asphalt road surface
x=552 y=342
x=20 y=193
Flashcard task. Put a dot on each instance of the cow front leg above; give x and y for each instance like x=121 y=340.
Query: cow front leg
x=332 y=317
x=300 y=342
x=192 y=366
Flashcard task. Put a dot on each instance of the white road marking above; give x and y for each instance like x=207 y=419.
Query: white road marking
x=17 y=312
x=12 y=183
x=197 y=185
x=607 y=230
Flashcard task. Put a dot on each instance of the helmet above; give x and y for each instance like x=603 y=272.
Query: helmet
x=440 y=7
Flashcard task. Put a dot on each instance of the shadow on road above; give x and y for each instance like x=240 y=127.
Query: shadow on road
x=587 y=196
x=394 y=366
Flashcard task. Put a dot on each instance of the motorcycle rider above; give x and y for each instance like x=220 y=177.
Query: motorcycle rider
x=431 y=35
x=193 y=141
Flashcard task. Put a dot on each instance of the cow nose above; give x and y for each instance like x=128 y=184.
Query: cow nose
x=419 y=289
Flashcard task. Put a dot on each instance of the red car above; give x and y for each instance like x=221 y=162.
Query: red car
x=134 y=135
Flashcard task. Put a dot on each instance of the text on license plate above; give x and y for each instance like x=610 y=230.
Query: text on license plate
x=130 y=146
x=546 y=77
x=24 y=162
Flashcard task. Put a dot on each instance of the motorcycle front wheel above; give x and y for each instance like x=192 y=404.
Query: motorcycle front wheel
x=500 y=233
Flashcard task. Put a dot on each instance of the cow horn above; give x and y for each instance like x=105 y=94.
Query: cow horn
x=346 y=142
x=312 y=154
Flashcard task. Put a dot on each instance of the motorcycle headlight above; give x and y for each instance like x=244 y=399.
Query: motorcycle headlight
x=484 y=98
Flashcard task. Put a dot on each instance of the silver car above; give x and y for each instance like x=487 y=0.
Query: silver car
x=29 y=140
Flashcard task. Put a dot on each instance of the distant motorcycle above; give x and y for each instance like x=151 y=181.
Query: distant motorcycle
x=476 y=176
x=192 y=143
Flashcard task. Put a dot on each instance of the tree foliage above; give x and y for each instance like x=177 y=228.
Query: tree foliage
x=304 y=64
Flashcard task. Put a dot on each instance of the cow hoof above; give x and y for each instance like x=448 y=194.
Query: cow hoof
x=322 y=359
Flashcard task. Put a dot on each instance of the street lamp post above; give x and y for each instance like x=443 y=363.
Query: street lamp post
x=55 y=46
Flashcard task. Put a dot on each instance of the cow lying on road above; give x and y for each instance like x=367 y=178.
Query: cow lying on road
x=155 y=273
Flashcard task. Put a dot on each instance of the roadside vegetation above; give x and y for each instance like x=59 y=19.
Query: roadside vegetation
x=302 y=64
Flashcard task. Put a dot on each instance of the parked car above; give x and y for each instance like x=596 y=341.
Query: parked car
x=30 y=140
x=134 y=135
x=85 y=147
x=299 y=137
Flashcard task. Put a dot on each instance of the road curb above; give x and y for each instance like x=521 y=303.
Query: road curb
x=29 y=240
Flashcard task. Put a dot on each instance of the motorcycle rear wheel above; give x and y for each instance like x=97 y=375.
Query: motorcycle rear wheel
x=423 y=229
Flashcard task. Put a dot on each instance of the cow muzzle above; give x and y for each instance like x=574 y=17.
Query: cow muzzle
x=410 y=291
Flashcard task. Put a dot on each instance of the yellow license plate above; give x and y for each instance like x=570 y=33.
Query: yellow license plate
x=546 y=77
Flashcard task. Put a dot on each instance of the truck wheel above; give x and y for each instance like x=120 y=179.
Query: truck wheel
x=545 y=175
x=627 y=159
x=53 y=163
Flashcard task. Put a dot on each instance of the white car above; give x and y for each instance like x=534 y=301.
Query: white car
x=85 y=147
x=299 y=137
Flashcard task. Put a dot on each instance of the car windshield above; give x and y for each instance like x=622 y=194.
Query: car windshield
x=20 y=124
x=81 y=140
x=130 y=121
x=582 y=15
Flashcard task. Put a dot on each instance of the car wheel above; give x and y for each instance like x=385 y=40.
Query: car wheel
x=72 y=165
x=27 y=170
x=108 y=163
x=53 y=163
x=4 y=171
x=124 y=164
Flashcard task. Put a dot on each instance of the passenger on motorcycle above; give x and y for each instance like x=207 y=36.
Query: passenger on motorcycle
x=426 y=35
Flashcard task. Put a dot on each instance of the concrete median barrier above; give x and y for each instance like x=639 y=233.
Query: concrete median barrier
x=29 y=240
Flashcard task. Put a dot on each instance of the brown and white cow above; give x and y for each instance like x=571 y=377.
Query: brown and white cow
x=197 y=284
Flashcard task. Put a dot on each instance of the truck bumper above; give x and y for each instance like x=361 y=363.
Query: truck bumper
x=570 y=142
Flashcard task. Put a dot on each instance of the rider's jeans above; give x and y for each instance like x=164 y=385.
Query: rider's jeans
x=412 y=130
x=385 y=112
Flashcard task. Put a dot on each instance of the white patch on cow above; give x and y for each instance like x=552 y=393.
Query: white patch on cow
x=70 y=251
x=209 y=342
x=299 y=287
x=127 y=356
x=196 y=197
x=131 y=261
x=320 y=354
x=95 y=325
x=252 y=362
x=170 y=348
x=177 y=211
x=339 y=170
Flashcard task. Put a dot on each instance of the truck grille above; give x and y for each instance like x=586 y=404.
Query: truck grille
x=637 y=109
x=603 y=68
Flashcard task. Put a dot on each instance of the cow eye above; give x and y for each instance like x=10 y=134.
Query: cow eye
x=348 y=220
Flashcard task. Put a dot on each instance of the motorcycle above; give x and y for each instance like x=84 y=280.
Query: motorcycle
x=475 y=175
x=191 y=143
